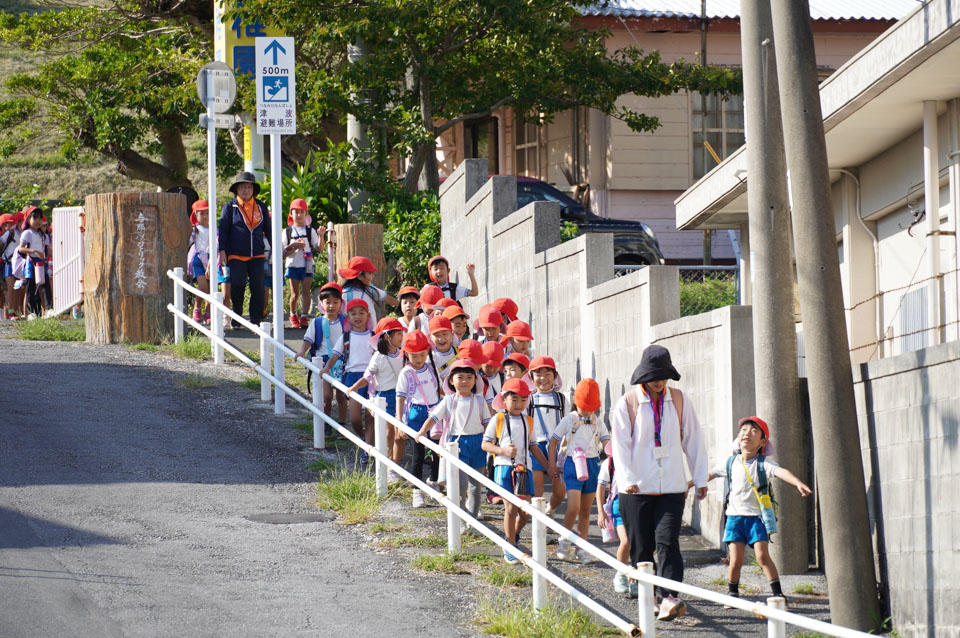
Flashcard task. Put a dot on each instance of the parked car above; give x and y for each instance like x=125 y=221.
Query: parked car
x=633 y=242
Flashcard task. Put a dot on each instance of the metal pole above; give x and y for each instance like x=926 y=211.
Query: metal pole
x=776 y=628
x=647 y=621
x=539 y=542
x=276 y=206
x=217 y=327
x=178 y=304
x=847 y=542
x=380 y=441
x=774 y=334
x=264 y=362
x=318 y=425
x=216 y=319
x=931 y=201
x=453 y=493
x=331 y=254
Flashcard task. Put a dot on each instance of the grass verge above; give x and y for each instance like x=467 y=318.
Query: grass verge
x=193 y=346
x=504 y=576
x=146 y=347
x=433 y=541
x=351 y=494
x=451 y=563
x=251 y=383
x=384 y=527
x=804 y=588
x=321 y=465
x=516 y=619
x=197 y=382
x=50 y=330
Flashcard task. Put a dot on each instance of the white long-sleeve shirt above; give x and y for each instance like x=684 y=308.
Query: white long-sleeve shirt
x=633 y=447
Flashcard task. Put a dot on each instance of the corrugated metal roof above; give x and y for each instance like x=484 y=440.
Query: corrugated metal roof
x=819 y=9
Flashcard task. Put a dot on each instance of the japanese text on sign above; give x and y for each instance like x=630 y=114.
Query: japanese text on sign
x=138 y=272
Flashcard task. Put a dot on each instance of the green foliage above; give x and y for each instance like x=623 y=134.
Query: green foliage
x=381 y=527
x=517 y=619
x=251 y=383
x=193 y=346
x=12 y=200
x=350 y=493
x=145 y=347
x=804 y=588
x=508 y=576
x=411 y=235
x=197 y=382
x=568 y=230
x=50 y=330
x=432 y=541
x=323 y=181
x=322 y=466
x=703 y=296
x=450 y=563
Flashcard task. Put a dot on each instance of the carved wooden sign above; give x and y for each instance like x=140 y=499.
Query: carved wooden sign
x=138 y=273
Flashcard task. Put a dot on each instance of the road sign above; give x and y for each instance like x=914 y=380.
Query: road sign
x=276 y=87
x=224 y=87
x=219 y=121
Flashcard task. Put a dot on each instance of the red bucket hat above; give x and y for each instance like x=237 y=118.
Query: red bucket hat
x=429 y=296
x=759 y=422
x=489 y=317
x=460 y=364
x=6 y=218
x=507 y=306
x=516 y=386
x=408 y=290
x=199 y=205
x=542 y=362
x=415 y=341
x=519 y=330
x=587 y=396
x=454 y=311
x=439 y=324
x=298 y=204
x=472 y=351
x=355 y=266
x=522 y=359
x=493 y=351
x=332 y=286
x=445 y=303
x=434 y=260
x=357 y=303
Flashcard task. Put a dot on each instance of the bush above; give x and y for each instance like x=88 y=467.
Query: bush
x=519 y=620
x=411 y=234
x=703 y=296
x=350 y=493
x=50 y=330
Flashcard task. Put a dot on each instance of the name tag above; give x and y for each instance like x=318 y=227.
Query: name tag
x=660 y=453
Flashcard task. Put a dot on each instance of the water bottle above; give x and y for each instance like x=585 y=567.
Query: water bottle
x=607 y=532
x=580 y=463
x=767 y=515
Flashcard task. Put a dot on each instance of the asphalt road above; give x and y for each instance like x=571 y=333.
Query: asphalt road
x=130 y=506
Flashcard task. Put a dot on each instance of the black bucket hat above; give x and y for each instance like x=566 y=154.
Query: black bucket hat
x=246 y=177
x=655 y=365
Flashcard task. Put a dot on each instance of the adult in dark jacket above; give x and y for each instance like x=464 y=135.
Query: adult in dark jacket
x=244 y=224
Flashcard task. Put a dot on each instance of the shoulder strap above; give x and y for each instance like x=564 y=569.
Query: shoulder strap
x=729 y=470
x=633 y=405
x=499 y=425
x=287 y=235
x=761 y=474
x=677 y=397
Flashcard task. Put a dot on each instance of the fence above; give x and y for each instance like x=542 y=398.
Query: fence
x=702 y=288
x=773 y=611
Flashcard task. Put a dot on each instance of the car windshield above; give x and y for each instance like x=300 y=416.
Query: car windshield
x=541 y=192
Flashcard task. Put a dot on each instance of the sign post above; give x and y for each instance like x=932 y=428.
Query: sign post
x=217 y=89
x=276 y=116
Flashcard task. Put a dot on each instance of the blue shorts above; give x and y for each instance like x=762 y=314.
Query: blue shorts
x=744 y=529
x=7 y=269
x=199 y=270
x=471 y=452
x=221 y=279
x=267 y=276
x=503 y=477
x=534 y=463
x=349 y=378
x=416 y=414
x=298 y=274
x=391 y=397
x=570 y=476
x=615 y=510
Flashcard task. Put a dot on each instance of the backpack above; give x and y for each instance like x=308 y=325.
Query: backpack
x=310 y=237
x=559 y=406
x=633 y=405
x=325 y=336
x=451 y=288
x=501 y=418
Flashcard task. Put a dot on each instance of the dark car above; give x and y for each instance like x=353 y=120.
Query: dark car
x=633 y=242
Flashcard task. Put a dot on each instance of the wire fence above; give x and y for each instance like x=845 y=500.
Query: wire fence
x=702 y=288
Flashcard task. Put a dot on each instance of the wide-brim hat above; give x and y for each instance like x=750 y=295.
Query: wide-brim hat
x=461 y=364
x=245 y=177
x=655 y=365
x=355 y=266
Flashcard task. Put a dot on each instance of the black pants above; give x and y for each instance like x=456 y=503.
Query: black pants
x=33 y=295
x=419 y=454
x=653 y=527
x=240 y=272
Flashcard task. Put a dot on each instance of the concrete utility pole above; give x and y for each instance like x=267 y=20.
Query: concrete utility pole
x=843 y=500
x=357 y=133
x=774 y=335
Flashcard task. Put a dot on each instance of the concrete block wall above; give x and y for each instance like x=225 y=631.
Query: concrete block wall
x=908 y=409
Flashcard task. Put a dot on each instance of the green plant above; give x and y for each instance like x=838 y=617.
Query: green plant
x=383 y=527
x=702 y=296
x=302 y=426
x=568 y=230
x=322 y=180
x=449 y=563
x=516 y=619
x=508 y=576
x=411 y=232
x=50 y=330
x=432 y=541
x=197 y=382
x=147 y=347
x=321 y=465
x=718 y=582
x=350 y=493
x=431 y=512
x=804 y=588
x=192 y=346
x=13 y=200
x=251 y=383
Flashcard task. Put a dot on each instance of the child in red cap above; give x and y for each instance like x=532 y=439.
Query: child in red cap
x=198 y=255
x=493 y=368
x=489 y=323
x=410 y=313
x=509 y=437
x=580 y=437
x=547 y=407
x=322 y=335
x=439 y=269
x=748 y=475
x=444 y=352
x=519 y=338
x=458 y=319
x=9 y=241
x=358 y=284
x=418 y=390
x=300 y=243
x=430 y=295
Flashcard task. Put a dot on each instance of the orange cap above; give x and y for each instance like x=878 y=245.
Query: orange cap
x=357 y=303
x=515 y=386
x=522 y=359
x=415 y=341
x=543 y=362
x=489 y=317
x=200 y=204
x=430 y=295
x=459 y=364
x=446 y=302
x=332 y=286
x=355 y=266
x=493 y=351
x=439 y=324
x=409 y=290
x=298 y=204
x=519 y=330
x=455 y=311
x=387 y=324
x=760 y=424
x=587 y=396
x=472 y=351
x=507 y=306
x=434 y=260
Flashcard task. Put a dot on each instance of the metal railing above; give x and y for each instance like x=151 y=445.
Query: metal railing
x=773 y=611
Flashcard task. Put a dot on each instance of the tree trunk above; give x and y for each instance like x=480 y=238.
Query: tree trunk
x=364 y=240
x=131 y=240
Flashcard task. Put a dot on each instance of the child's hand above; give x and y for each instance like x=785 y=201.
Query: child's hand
x=470 y=269
x=509 y=451
x=417 y=437
x=402 y=435
x=804 y=490
x=701 y=493
x=601 y=517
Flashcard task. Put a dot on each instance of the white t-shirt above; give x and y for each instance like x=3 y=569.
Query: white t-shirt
x=386 y=369
x=519 y=425
x=441 y=359
x=418 y=322
x=493 y=384
x=462 y=291
x=468 y=415
x=360 y=350
x=604 y=477
x=350 y=293
x=587 y=435
x=298 y=259
x=407 y=385
x=743 y=502
x=32 y=240
x=314 y=334
x=14 y=244
x=546 y=419
x=201 y=239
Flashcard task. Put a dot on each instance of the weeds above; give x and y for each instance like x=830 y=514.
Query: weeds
x=192 y=346
x=505 y=576
x=804 y=588
x=321 y=465
x=432 y=512
x=432 y=541
x=197 y=382
x=302 y=426
x=519 y=620
x=450 y=563
x=50 y=330
x=146 y=347
x=350 y=493
x=381 y=527
x=251 y=383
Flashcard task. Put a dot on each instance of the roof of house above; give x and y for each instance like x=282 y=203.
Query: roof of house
x=819 y=9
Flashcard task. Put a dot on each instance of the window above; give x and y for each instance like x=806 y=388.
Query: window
x=527 y=145
x=480 y=140
x=720 y=122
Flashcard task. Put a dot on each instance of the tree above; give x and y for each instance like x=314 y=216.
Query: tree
x=436 y=63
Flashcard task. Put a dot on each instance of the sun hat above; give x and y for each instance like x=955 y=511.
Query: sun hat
x=414 y=342
x=460 y=364
x=387 y=324
x=472 y=351
x=245 y=177
x=6 y=218
x=767 y=449
x=298 y=204
x=355 y=266
x=355 y=303
x=519 y=330
x=452 y=312
x=434 y=260
x=522 y=359
x=429 y=295
x=489 y=317
x=587 y=395
x=507 y=306
x=655 y=365
x=332 y=286
x=516 y=386
x=493 y=351
x=439 y=324
x=19 y=217
x=408 y=290
x=542 y=362
x=199 y=205
x=445 y=303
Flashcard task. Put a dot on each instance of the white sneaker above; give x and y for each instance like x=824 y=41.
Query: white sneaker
x=671 y=607
x=620 y=583
x=418 y=499
x=565 y=551
x=551 y=510
x=585 y=557
x=392 y=477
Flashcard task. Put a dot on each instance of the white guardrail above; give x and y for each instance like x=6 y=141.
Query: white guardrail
x=773 y=611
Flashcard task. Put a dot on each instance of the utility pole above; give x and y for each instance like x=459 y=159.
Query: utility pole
x=774 y=334
x=843 y=501
x=357 y=133
x=707 y=234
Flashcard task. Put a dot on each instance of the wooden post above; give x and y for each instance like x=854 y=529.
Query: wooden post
x=132 y=239
x=365 y=240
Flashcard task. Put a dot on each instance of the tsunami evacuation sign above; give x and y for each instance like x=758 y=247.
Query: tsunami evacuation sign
x=276 y=87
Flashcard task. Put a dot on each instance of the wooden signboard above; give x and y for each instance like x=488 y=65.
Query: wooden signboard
x=138 y=272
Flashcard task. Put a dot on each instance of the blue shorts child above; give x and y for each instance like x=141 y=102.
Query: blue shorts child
x=267 y=275
x=199 y=270
x=471 y=451
x=534 y=463
x=298 y=274
x=571 y=481
x=7 y=269
x=615 y=511
x=417 y=414
x=744 y=529
x=391 y=397
x=349 y=378
x=503 y=476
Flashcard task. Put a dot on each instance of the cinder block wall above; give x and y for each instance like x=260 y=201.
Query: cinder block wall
x=908 y=409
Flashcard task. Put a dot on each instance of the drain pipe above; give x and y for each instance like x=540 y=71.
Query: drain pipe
x=931 y=198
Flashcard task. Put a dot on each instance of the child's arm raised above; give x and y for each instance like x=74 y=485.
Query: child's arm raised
x=474 y=289
x=787 y=476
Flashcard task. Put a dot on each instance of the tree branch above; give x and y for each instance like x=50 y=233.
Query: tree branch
x=477 y=115
x=135 y=166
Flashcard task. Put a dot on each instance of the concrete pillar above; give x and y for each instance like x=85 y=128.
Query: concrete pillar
x=931 y=202
x=860 y=266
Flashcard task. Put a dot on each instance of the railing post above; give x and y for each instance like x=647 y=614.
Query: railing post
x=216 y=322
x=380 y=441
x=647 y=622
x=776 y=628
x=331 y=254
x=178 y=304
x=264 y=361
x=539 y=541
x=318 y=424
x=453 y=493
x=279 y=361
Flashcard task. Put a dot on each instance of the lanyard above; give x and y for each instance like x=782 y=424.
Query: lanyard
x=747 y=472
x=657 y=406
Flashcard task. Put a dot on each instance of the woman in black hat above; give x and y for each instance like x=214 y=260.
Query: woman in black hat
x=244 y=224
x=653 y=427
